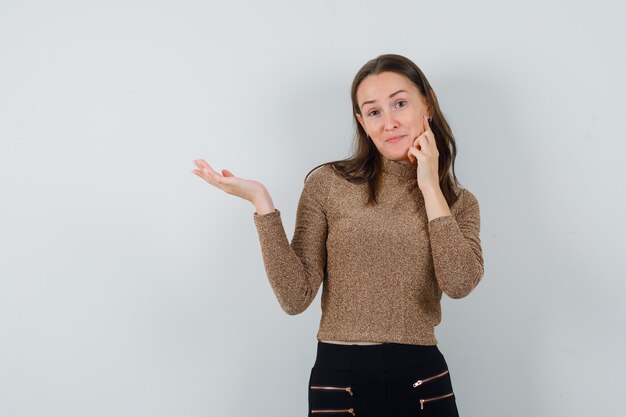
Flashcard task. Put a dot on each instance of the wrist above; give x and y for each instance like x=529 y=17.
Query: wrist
x=431 y=190
x=263 y=202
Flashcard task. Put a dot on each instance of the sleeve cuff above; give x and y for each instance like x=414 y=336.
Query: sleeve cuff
x=441 y=220
x=263 y=219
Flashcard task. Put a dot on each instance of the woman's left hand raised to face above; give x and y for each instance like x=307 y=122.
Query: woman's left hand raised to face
x=424 y=150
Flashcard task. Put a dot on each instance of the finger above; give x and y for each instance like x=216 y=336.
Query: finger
x=200 y=163
x=425 y=142
x=430 y=144
x=227 y=173
x=209 y=175
x=204 y=166
x=416 y=137
x=413 y=154
x=199 y=173
x=421 y=142
x=426 y=124
x=416 y=142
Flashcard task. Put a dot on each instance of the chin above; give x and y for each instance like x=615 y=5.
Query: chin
x=400 y=156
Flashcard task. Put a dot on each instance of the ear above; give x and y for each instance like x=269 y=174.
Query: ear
x=429 y=112
x=360 y=119
x=429 y=108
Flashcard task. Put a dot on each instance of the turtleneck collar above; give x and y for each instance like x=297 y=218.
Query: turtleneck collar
x=402 y=169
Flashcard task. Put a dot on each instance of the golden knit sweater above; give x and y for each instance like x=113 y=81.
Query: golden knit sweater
x=384 y=267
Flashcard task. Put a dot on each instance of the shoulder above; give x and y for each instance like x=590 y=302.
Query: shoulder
x=320 y=176
x=318 y=183
x=465 y=200
x=321 y=171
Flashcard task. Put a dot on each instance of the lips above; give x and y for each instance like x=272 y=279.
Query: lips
x=395 y=138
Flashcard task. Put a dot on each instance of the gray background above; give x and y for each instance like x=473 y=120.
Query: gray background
x=130 y=287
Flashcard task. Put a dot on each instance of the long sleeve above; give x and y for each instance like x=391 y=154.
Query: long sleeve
x=456 y=248
x=296 y=270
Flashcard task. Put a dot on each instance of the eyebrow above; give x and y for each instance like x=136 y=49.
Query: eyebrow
x=374 y=101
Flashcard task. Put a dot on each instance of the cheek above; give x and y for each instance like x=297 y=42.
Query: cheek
x=415 y=120
x=416 y=126
x=374 y=124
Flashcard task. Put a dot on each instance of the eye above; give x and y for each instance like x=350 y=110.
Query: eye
x=370 y=113
x=401 y=101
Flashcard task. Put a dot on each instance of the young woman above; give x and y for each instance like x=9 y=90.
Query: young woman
x=387 y=231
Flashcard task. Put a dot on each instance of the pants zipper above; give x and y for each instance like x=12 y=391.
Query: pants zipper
x=348 y=389
x=421 y=381
x=349 y=410
x=425 y=400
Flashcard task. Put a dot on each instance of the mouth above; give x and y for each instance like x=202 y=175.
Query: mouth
x=395 y=139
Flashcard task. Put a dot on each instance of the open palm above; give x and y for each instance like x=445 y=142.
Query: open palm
x=228 y=182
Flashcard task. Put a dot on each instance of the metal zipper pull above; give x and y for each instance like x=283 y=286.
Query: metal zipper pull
x=421 y=381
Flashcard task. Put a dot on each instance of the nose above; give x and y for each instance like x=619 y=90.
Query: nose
x=390 y=122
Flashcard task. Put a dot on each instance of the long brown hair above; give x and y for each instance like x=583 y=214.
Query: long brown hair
x=365 y=163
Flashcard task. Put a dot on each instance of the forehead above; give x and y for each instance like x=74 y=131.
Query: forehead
x=380 y=86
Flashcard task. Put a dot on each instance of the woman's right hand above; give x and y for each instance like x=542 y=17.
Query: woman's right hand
x=250 y=190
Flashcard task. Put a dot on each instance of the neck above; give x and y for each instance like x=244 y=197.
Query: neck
x=403 y=169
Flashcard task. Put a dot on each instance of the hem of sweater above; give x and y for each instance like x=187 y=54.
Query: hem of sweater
x=377 y=337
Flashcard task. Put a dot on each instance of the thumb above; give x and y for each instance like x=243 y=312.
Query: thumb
x=227 y=173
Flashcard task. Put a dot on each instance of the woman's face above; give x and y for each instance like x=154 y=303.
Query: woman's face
x=391 y=107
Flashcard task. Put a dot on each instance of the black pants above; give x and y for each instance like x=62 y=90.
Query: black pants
x=388 y=380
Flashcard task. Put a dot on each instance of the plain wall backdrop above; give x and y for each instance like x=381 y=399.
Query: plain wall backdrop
x=130 y=287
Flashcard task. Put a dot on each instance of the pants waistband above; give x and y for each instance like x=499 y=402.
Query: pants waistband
x=373 y=357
